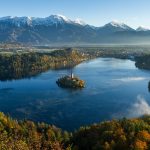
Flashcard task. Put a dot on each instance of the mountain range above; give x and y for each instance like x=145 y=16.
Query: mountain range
x=58 y=29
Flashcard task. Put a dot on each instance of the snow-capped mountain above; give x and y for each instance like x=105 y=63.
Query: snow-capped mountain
x=53 y=19
x=57 y=19
x=18 y=21
x=114 y=25
x=80 y=21
x=60 y=29
x=142 y=29
x=33 y=21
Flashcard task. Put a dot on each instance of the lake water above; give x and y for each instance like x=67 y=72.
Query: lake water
x=115 y=88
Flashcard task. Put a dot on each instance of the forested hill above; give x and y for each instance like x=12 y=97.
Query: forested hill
x=143 y=62
x=27 y=64
x=125 y=134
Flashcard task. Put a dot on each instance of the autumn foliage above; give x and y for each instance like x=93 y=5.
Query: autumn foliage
x=124 y=134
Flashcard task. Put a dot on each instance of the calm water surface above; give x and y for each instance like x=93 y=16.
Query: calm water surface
x=114 y=88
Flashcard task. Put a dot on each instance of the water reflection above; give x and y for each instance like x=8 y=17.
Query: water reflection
x=9 y=75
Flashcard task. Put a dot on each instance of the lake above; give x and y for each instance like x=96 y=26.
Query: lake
x=115 y=88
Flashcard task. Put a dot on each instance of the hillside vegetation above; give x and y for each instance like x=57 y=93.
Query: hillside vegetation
x=26 y=135
x=143 y=62
x=125 y=134
x=27 y=64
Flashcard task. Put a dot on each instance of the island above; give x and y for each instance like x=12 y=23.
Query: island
x=70 y=82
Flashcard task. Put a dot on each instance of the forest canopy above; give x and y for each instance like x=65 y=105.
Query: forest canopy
x=124 y=134
x=28 y=64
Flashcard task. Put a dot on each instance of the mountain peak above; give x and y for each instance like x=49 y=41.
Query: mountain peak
x=6 y=18
x=59 y=18
x=142 y=29
x=63 y=17
x=52 y=19
x=80 y=21
x=118 y=25
x=60 y=29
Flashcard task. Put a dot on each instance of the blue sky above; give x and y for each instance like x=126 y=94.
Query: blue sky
x=94 y=12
